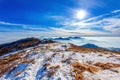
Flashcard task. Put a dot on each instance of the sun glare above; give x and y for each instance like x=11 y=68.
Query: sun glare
x=80 y=14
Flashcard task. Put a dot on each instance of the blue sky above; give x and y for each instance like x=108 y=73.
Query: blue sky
x=26 y=18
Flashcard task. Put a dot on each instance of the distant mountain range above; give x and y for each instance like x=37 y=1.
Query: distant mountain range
x=89 y=45
x=66 y=38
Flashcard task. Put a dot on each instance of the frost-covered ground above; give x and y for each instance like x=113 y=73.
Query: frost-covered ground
x=60 y=61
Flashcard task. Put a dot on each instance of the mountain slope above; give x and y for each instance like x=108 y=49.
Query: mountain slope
x=60 y=61
x=18 y=45
x=22 y=44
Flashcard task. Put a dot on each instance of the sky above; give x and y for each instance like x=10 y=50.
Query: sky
x=51 y=18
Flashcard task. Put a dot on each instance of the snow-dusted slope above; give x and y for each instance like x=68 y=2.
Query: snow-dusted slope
x=58 y=61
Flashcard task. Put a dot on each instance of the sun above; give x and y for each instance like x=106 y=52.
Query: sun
x=80 y=14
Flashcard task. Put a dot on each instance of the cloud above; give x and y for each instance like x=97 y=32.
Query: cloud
x=89 y=4
x=77 y=32
x=115 y=11
x=12 y=24
x=56 y=17
x=108 y=23
x=20 y=27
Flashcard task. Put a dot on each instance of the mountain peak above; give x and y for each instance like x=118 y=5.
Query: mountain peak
x=89 y=45
x=67 y=38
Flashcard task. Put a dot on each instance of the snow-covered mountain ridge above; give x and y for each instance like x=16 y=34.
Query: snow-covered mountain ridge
x=60 y=61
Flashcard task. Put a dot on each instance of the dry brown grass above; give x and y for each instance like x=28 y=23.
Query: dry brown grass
x=79 y=68
x=65 y=60
x=107 y=65
x=90 y=62
x=18 y=73
x=93 y=69
x=118 y=58
x=8 y=64
x=84 y=67
x=7 y=68
x=52 y=70
x=50 y=73
x=79 y=76
x=47 y=64
x=55 y=67
x=28 y=61
x=68 y=60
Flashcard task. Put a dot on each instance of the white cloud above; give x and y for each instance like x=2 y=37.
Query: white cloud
x=56 y=17
x=24 y=27
x=110 y=23
x=13 y=24
x=115 y=11
x=88 y=4
x=78 y=32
